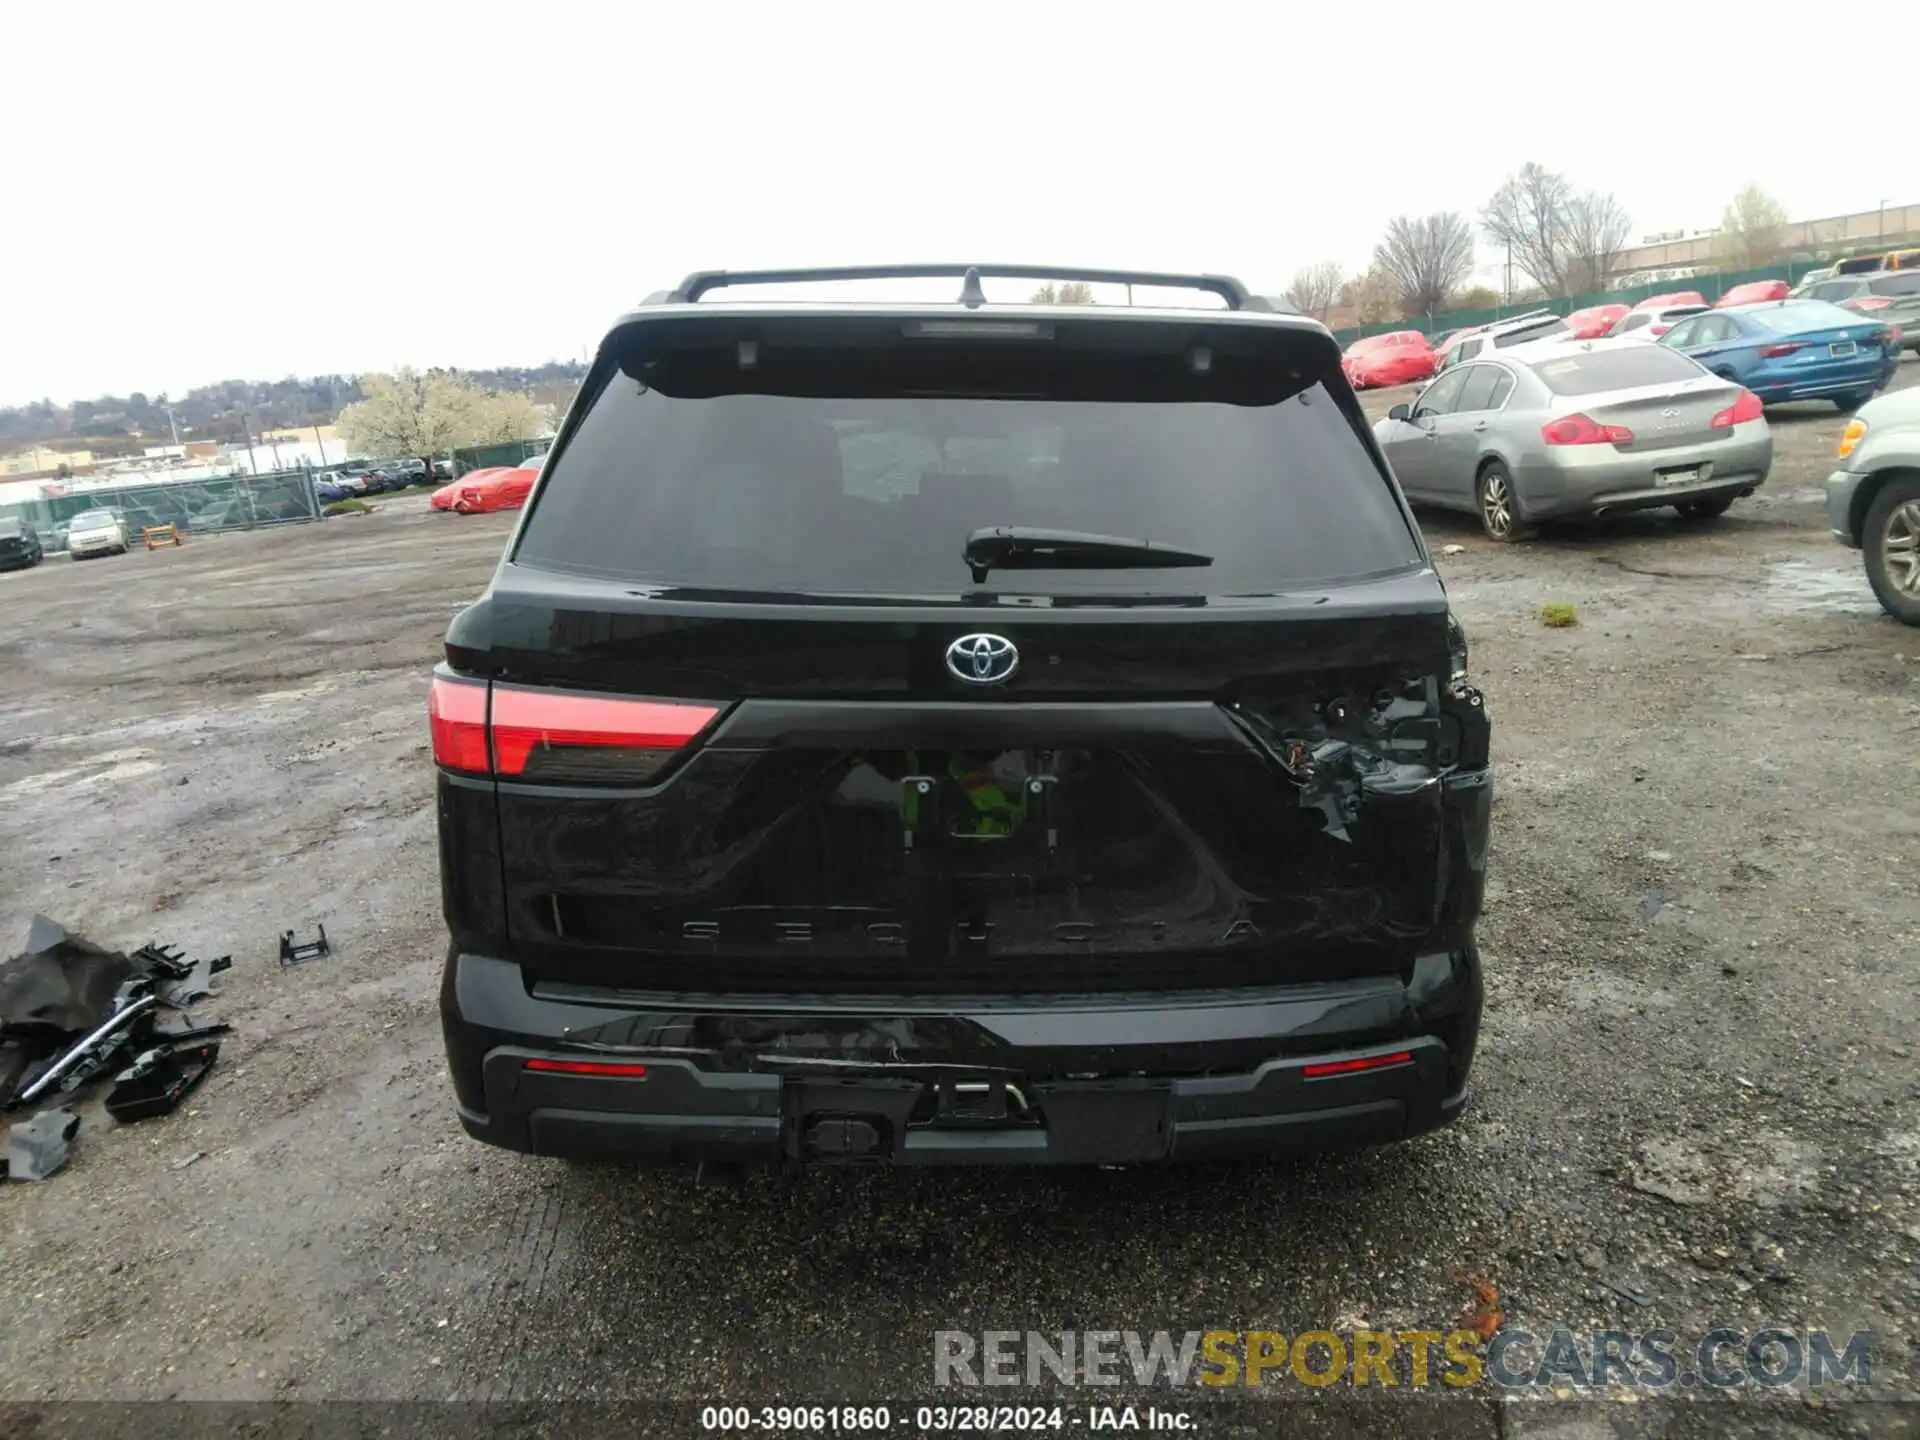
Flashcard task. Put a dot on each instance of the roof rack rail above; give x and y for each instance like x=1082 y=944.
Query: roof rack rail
x=1237 y=296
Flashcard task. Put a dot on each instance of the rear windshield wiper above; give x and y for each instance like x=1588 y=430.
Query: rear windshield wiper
x=1028 y=547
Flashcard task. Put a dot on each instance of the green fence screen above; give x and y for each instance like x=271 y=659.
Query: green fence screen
x=482 y=457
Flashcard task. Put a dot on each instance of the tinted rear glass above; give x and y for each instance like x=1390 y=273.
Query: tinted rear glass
x=1544 y=330
x=1790 y=317
x=1832 y=290
x=1903 y=283
x=1622 y=369
x=871 y=481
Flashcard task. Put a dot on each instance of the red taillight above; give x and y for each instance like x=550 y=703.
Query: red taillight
x=1349 y=1067
x=1658 y=329
x=1869 y=302
x=1584 y=430
x=1774 y=352
x=588 y=1067
x=554 y=735
x=610 y=737
x=457 y=715
x=1890 y=337
x=1746 y=408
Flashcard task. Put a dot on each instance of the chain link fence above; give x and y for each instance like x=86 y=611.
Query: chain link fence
x=195 y=507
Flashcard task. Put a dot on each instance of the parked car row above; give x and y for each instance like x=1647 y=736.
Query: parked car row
x=380 y=477
x=1406 y=357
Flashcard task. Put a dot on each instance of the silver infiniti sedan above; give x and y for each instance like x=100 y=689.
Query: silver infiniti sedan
x=1564 y=429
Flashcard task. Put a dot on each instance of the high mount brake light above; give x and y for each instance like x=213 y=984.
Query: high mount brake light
x=524 y=733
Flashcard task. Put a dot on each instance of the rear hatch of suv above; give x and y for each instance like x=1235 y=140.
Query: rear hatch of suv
x=894 y=651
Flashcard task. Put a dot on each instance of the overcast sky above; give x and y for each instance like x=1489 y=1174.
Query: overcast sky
x=200 y=191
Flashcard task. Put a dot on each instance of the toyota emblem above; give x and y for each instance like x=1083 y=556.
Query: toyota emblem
x=982 y=659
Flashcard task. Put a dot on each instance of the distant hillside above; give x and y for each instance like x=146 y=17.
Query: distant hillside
x=124 y=423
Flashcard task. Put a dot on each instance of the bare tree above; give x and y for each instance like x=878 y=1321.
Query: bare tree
x=1750 y=229
x=1527 y=218
x=1426 y=258
x=1566 y=241
x=1372 y=295
x=1313 y=289
x=1068 y=292
x=1597 y=228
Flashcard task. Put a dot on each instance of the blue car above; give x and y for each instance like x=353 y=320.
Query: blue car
x=1792 y=350
x=326 y=492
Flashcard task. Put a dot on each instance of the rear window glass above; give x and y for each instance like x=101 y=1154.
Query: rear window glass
x=1907 y=283
x=856 y=488
x=1833 y=290
x=1792 y=316
x=1544 y=330
x=1621 y=369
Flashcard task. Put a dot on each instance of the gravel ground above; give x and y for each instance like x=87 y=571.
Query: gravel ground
x=1696 y=1081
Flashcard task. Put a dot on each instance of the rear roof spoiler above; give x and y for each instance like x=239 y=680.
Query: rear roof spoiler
x=1237 y=296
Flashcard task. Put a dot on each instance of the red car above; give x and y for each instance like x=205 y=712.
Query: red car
x=1594 y=321
x=1398 y=358
x=485 y=491
x=1753 y=293
x=1678 y=297
x=442 y=499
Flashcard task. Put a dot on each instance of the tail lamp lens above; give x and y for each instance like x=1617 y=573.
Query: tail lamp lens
x=527 y=734
x=1746 y=408
x=1584 y=430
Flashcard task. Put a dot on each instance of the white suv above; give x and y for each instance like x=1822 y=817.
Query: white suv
x=96 y=532
x=1517 y=330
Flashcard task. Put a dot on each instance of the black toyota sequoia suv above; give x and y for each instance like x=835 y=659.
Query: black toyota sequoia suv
x=960 y=733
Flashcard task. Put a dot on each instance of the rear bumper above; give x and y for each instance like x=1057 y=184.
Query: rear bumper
x=1828 y=383
x=1630 y=480
x=1106 y=1079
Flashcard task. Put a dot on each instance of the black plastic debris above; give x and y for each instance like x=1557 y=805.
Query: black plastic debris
x=71 y=1011
x=160 y=1078
x=38 y=1147
x=188 y=980
x=299 y=954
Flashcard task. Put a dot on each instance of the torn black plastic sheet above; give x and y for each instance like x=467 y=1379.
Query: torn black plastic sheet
x=71 y=1010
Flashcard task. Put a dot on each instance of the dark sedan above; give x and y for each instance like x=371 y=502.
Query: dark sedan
x=19 y=544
